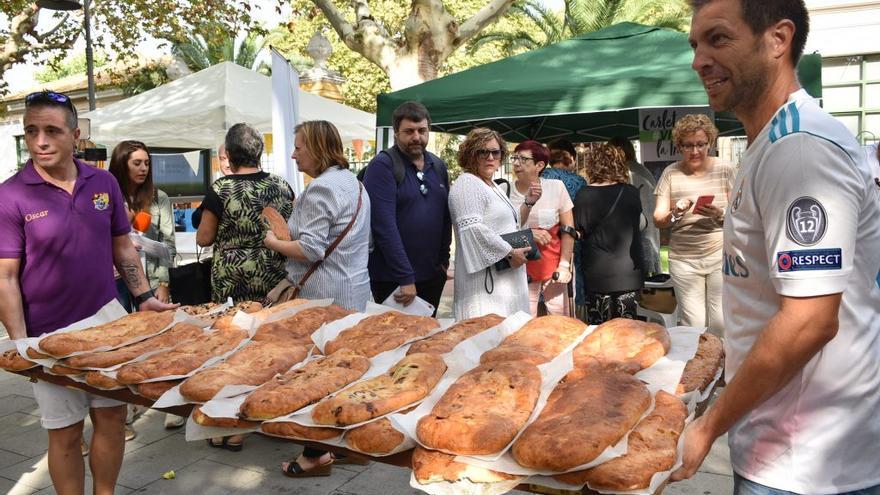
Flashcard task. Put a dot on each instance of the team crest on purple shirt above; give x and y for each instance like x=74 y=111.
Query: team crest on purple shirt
x=101 y=201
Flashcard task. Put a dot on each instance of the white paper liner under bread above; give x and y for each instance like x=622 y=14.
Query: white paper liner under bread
x=332 y=330
x=196 y=432
x=466 y=487
x=6 y=345
x=248 y=320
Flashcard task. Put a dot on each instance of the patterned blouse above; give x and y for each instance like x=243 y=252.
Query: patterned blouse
x=243 y=268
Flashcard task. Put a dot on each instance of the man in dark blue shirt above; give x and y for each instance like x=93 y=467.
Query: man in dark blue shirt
x=410 y=219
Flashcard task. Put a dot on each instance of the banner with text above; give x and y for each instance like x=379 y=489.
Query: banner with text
x=655 y=131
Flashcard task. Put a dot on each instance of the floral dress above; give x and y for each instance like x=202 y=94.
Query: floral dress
x=243 y=268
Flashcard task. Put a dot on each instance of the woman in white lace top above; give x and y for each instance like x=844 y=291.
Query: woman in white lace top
x=480 y=213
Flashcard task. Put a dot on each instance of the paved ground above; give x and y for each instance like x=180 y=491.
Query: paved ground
x=204 y=470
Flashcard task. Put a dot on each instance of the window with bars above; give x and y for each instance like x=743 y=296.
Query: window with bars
x=851 y=92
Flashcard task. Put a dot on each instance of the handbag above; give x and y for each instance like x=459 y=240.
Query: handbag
x=542 y=269
x=285 y=290
x=191 y=283
x=518 y=240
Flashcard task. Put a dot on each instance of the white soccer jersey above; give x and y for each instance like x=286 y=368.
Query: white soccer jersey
x=804 y=220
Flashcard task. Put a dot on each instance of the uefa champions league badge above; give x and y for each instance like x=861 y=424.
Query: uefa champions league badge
x=806 y=221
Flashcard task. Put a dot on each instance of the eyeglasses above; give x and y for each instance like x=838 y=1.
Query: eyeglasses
x=50 y=98
x=423 y=188
x=523 y=159
x=483 y=154
x=694 y=146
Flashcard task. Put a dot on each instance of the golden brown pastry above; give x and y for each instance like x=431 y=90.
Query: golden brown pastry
x=378 y=333
x=430 y=466
x=276 y=223
x=701 y=370
x=301 y=326
x=154 y=390
x=300 y=432
x=131 y=327
x=199 y=309
x=203 y=419
x=483 y=410
x=182 y=359
x=11 y=360
x=623 y=344
x=375 y=437
x=60 y=369
x=303 y=386
x=538 y=341
x=652 y=448
x=445 y=341
x=255 y=364
x=223 y=319
x=33 y=354
x=408 y=381
x=580 y=420
x=179 y=333
x=102 y=381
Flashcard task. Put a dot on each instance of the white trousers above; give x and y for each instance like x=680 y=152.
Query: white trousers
x=697 y=284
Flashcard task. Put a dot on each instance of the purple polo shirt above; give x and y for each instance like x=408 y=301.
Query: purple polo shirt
x=64 y=243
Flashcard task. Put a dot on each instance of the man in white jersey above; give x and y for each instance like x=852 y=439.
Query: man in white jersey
x=802 y=253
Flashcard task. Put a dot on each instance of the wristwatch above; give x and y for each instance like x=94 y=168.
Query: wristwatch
x=143 y=297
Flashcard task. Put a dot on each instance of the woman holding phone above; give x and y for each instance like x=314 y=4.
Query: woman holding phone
x=692 y=196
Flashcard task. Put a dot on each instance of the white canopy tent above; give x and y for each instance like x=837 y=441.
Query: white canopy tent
x=195 y=111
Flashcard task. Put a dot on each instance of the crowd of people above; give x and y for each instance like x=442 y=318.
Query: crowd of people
x=790 y=243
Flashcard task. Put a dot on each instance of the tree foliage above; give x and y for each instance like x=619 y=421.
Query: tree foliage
x=199 y=52
x=118 y=26
x=72 y=65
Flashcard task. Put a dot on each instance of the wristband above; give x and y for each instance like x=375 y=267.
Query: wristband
x=529 y=204
x=142 y=298
x=568 y=229
x=565 y=265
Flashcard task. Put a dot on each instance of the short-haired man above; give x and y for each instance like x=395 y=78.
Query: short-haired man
x=410 y=219
x=802 y=253
x=63 y=226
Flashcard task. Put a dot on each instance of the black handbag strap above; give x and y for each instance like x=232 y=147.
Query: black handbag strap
x=607 y=215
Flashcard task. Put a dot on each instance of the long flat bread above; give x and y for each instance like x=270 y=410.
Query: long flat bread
x=580 y=420
x=538 y=341
x=114 y=334
x=182 y=359
x=154 y=390
x=652 y=448
x=483 y=410
x=701 y=370
x=430 y=466
x=299 y=432
x=99 y=380
x=303 y=386
x=408 y=381
x=623 y=344
x=445 y=341
x=378 y=333
x=203 y=419
x=301 y=326
x=224 y=319
x=11 y=360
x=255 y=364
x=276 y=223
x=174 y=336
x=375 y=437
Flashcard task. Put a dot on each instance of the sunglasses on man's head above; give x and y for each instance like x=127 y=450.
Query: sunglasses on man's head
x=49 y=97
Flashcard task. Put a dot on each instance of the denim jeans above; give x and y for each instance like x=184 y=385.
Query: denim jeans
x=742 y=486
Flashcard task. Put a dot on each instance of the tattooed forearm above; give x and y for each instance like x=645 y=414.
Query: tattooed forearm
x=129 y=272
x=128 y=264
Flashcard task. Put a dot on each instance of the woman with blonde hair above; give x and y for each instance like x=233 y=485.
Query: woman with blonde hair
x=490 y=275
x=608 y=214
x=692 y=196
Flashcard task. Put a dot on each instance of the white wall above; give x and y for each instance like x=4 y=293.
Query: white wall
x=843 y=27
x=8 y=157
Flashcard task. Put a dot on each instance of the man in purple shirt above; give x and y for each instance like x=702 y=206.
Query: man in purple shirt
x=410 y=219
x=63 y=226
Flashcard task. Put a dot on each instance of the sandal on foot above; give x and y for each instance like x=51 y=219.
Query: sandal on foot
x=349 y=459
x=294 y=470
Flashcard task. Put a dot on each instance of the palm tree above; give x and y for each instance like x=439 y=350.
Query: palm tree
x=580 y=17
x=198 y=53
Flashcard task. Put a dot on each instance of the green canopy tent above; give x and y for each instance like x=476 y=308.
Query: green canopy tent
x=586 y=88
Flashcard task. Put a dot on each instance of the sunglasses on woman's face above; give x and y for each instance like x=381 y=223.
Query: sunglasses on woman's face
x=483 y=154
x=423 y=188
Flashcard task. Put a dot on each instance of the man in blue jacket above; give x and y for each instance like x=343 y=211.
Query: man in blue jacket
x=408 y=188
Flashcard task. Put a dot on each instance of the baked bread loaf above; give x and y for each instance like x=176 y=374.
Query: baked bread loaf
x=11 y=360
x=538 y=341
x=652 y=448
x=581 y=419
x=99 y=380
x=483 y=410
x=378 y=333
x=375 y=437
x=203 y=419
x=445 y=341
x=301 y=326
x=182 y=359
x=154 y=390
x=179 y=333
x=223 y=319
x=701 y=370
x=623 y=344
x=303 y=386
x=60 y=369
x=199 y=309
x=255 y=364
x=430 y=466
x=125 y=330
x=276 y=223
x=408 y=381
x=297 y=431
x=33 y=354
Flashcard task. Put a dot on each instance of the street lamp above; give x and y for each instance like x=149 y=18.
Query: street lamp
x=90 y=63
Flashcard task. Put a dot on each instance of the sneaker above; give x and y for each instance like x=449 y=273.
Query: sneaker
x=135 y=412
x=174 y=421
x=84 y=447
x=130 y=434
